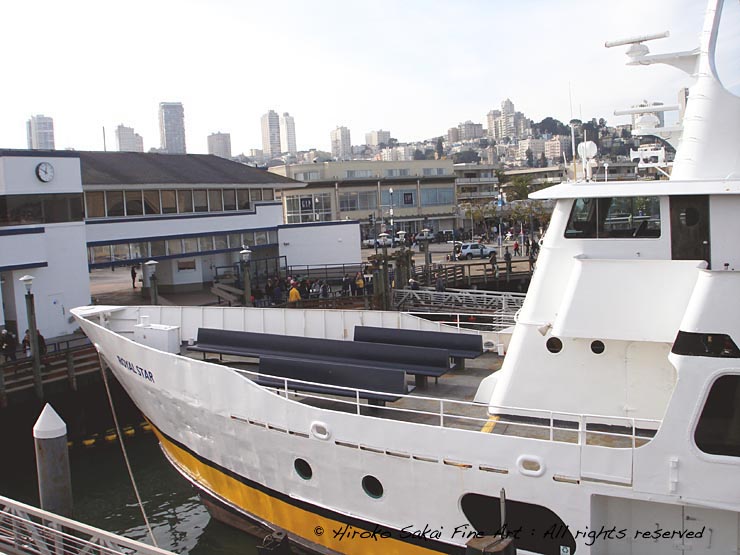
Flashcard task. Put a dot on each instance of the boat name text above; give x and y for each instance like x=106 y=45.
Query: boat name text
x=143 y=372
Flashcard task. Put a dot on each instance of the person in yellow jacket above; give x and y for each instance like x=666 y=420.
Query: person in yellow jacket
x=294 y=295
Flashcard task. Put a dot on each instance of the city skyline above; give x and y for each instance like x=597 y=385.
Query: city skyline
x=521 y=52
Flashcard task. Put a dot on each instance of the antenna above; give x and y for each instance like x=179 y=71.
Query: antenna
x=105 y=149
x=637 y=50
x=587 y=150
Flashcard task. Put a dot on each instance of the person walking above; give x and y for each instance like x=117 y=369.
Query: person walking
x=517 y=252
x=133 y=277
x=8 y=345
x=507 y=260
x=359 y=284
x=494 y=262
x=345 y=285
x=294 y=296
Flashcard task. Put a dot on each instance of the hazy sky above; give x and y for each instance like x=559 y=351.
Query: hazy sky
x=414 y=67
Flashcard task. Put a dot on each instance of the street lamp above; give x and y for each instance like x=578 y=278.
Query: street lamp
x=246 y=256
x=153 y=292
x=401 y=238
x=427 y=255
x=390 y=212
x=33 y=335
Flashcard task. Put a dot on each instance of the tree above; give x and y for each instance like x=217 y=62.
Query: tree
x=519 y=188
x=551 y=126
x=419 y=155
x=530 y=158
x=543 y=161
x=440 y=148
x=466 y=157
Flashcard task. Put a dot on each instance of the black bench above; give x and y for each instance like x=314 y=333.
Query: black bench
x=422 y=363
x=380 y=384
x=459 y=345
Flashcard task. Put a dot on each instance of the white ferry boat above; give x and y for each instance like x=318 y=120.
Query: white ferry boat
x=613 y=425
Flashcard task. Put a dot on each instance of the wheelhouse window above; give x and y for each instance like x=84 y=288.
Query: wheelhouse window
x=718 y=429
x=614 y=217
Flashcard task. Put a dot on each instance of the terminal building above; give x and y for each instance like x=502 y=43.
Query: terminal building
x=63 y=213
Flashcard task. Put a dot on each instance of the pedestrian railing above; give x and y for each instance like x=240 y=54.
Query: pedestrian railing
x=27 y=530
x=458 y=299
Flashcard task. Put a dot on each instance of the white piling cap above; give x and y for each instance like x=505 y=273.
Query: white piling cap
x=49 y=425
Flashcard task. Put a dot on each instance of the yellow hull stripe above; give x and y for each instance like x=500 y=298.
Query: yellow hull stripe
x=490 y=425
x=300 y=522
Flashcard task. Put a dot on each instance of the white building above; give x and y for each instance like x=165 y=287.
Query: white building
x=64 y=212
x=469 y=130
x=287 y=134
x=127 y=140
x=555 y=147
x=172 y=127
x=219 y=144
x=271 y=134
x=536 y=146
x=376 y=138
x=341 y=144
x=40 y=133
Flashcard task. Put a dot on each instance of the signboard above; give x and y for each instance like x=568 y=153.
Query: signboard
x=306 y=203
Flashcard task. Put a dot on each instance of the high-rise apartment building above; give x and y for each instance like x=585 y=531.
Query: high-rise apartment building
x=507 y=122
x=219 y=144
x=287 y=134
x=469 y=130
x=341 y=145
x=453 y=135
x=40 y=132
x=127 y=140
x=271 y=134
x=172 y=127
x=376 y=138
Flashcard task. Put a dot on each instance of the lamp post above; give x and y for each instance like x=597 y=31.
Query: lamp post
x=390 y=212
x=33 y=335
x=246 y=256
x=153 y=292
x=427 y=256
x=382 y=286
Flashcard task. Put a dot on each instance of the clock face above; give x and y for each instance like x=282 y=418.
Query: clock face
x=45 y=172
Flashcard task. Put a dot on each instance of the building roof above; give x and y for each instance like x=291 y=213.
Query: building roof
x=129 y=168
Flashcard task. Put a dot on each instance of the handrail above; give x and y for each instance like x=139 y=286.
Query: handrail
x=31 y=530
x=546 y=420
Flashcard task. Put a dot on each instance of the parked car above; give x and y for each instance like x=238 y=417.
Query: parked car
x=469 y=251
x=379 y=242
x=428 y=236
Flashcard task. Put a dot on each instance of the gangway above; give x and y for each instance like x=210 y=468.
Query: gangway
x=26 y=530
x=467 y=300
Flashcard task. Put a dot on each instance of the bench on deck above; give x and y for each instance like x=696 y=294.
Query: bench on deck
x=384 y=384
x=422 y=363
x=459 y=345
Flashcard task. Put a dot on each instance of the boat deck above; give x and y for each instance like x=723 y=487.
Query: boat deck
x=449 y=403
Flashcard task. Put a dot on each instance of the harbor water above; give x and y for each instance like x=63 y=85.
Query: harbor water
x=104 y=498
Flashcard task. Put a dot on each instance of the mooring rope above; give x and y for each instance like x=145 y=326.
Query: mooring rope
x=123 y=448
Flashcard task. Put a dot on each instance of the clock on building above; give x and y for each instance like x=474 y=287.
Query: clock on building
x=45 y=172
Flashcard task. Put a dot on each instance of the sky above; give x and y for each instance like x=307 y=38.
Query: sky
x=414 y=67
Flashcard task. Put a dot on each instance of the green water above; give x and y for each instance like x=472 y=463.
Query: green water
x=104 y=498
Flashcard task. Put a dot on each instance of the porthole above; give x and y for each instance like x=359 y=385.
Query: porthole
x=303 y=469
x=689 y=217
x=554 y=345
x=372 y=486
x=597 y=347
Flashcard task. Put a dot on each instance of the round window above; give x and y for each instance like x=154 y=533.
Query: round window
x=372 y=486
x=303 y=469
x=554 y=345
x=689 y=217
x=597 y=347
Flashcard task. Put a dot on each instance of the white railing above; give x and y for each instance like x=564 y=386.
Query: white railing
x=566 y=427
x=462 y=298
x=28 y=530
x=493 y=322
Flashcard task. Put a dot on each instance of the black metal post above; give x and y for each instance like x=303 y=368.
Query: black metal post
x=34 y=344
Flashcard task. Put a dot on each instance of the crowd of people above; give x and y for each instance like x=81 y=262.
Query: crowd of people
x=9 y=345
x=291 y=289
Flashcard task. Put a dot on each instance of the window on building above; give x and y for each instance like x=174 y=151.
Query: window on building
x=248 y=238
x=242 y=198
x=134 y=204
x=235 y=241
x=220 y=242
x=229 y=199
x=174 y=246
x=184 y=201
x=190 y=244
x=200 y=200
x=348 y=202
x=437 y=196
x=99 y=255
x=617 y=218
x=169 y=202
x=255 y=194
x=401 y=197
x=205 y=243
x=114 y=203
x=95 y=204
x=260 y=237
x=139 y=250
x=268 y=194
x=367 y=200
x=121 y=252
x=151 y=203
x=158 y=248
x=358 y=174
x=215 y=200
x=717 y=431
x=272 y=237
